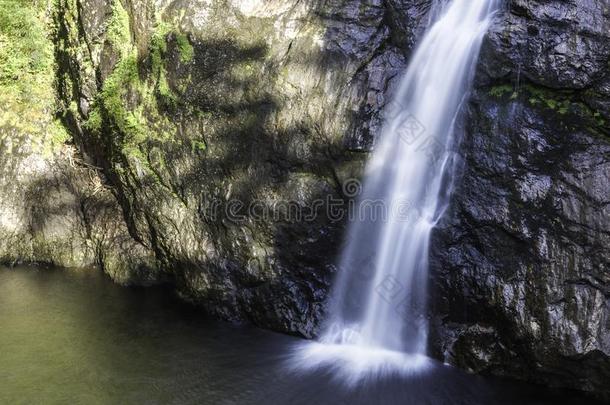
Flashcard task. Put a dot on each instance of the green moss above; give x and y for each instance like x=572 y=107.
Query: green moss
x=26 y=49
x=550 y=99
x=118 y=32
x=27 y=73
x=158 y=46
x=58 y=133
x=536 y=96
x=131 y=105
x=165 y=92
x=184 y=83
x=198 y=146
x=570 y=106
x=136 y=103
x=184 y=48
x=120 y=87
x=501 y=90
x=124 y=81
x=599 y=119
x=134 y=152
x=94 y=122
x=158 y=50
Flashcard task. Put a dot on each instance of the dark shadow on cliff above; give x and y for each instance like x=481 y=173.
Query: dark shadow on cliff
x=252 y=156
x=241 y=138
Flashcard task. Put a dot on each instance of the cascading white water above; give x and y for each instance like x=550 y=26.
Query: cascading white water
x=378 y=308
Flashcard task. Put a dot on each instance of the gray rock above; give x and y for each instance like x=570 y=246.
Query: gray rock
x=520 y=262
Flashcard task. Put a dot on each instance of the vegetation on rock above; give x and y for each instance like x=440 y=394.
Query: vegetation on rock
x=27 y=72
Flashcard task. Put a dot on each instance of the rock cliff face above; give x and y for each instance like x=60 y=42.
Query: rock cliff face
x=219 y=124
x=54 y=208
x=211 y=142
x=521 y=262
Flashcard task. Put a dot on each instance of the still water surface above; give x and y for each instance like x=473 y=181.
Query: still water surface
x=75 y=337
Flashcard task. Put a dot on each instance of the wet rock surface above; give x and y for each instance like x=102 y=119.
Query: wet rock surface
x=520 y=262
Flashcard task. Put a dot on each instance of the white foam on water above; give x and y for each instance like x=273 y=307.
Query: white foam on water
x=353 y=363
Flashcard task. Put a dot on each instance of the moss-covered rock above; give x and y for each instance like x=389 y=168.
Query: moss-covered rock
x=54 y=207
x=197 y=106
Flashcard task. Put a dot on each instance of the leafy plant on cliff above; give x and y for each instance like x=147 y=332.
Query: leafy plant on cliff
x=27 y=97
x=133 y=102
x=184 y=48
x=118 y=33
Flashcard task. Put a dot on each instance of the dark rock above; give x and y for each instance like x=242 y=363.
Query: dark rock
x=558 y=44
x=520 y=262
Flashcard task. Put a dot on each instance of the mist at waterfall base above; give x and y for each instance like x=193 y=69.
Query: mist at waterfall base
x=377 y=324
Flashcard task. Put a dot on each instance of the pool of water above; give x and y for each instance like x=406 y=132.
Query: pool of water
x=75 y=337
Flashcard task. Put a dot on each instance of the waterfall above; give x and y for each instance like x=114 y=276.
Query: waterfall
x=378 y=314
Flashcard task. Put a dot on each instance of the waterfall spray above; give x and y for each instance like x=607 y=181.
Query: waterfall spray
x=378 y=309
